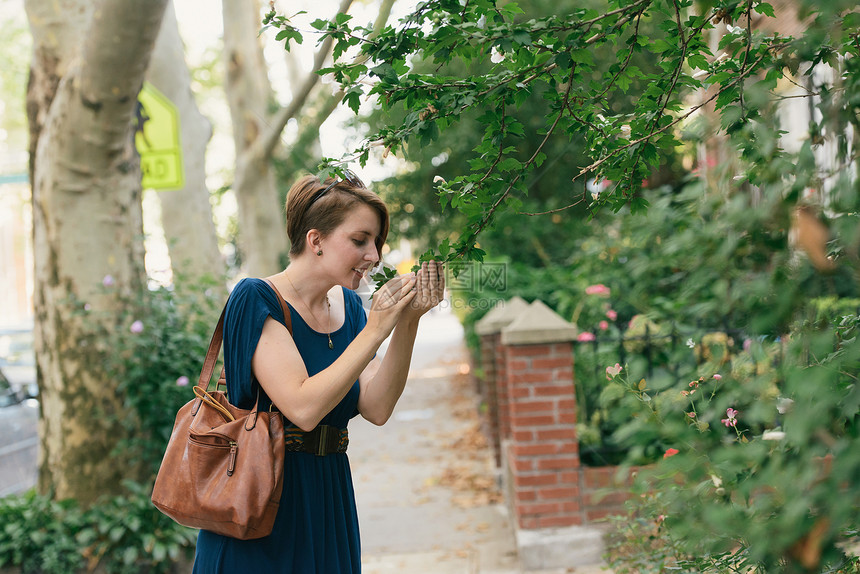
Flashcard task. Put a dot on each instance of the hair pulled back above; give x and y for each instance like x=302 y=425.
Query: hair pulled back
x=307 y=210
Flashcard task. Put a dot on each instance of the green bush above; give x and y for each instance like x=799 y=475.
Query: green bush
x=122 y=535
x=759 y=470
x=156 y=364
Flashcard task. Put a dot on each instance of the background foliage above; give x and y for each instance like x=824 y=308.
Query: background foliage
x=722 y=249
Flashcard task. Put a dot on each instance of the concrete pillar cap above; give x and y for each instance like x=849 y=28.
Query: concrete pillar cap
x=501 y=315
x=536 y=325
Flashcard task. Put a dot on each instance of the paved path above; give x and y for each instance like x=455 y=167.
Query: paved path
x=19 y=450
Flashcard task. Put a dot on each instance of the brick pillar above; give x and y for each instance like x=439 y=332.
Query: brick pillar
x=494 y=387
x=490 y=345
x=542 y=455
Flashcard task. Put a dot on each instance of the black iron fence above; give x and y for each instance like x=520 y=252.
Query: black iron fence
x=664 y=355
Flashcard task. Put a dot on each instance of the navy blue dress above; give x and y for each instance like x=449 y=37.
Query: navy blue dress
x=316 y=530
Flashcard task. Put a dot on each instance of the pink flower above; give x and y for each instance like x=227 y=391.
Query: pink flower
x=108 y=281
x=612 y=372
x=717 y=377
x=182 y=381
x=136 y=327
x=670 y=452
x=692 y=414
x=586 y=337
x=603 y=325
x=685 y=393
x=599 y=289
x=611 y=315
x=732 y=420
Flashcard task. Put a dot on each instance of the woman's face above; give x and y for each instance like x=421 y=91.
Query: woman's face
x=349 y=251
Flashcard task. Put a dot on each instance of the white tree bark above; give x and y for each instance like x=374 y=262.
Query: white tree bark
x=56 y=43
x=262 y=234
x=186 y=213
x=87 y=225
x=257 y=132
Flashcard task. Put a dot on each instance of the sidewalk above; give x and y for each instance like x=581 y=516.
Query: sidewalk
x=426 y=490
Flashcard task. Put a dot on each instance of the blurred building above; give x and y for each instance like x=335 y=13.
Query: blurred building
x=16 y=252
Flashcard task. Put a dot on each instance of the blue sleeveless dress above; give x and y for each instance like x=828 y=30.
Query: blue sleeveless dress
x=316 y=530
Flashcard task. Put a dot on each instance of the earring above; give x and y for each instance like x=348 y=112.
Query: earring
x=319 y=253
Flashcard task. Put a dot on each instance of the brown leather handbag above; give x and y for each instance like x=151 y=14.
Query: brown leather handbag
x=224 y=466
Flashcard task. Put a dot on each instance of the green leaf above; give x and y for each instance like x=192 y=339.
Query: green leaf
x=512 y=9
x=765 y=8
x=582 y=56
x=522 y=37
x=698 y=61
x=659 y=46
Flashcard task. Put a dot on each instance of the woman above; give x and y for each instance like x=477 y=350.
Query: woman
x=322 y=375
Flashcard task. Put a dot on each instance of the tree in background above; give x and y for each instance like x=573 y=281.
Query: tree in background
x=87 y=225
x=258 y=123
x=186 y=214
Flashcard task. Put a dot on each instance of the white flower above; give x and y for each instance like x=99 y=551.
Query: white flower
x=690 y=343
x=439 y=179
x=496 y=56
x=482 y=22
x=772 y=435
x=783 y=405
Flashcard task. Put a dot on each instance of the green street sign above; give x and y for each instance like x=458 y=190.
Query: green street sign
x=157 y=141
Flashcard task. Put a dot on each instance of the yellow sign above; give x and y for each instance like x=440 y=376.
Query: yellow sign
x=157 y=141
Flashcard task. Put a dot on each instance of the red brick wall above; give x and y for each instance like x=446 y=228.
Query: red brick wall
x=490 y=347
x=604 y=491
x=543 y=453
x=531 y=408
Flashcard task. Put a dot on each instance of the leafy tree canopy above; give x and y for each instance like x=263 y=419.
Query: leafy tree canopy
x=579 y=67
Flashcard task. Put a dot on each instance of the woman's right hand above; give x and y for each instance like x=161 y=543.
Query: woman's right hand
x=389 y=302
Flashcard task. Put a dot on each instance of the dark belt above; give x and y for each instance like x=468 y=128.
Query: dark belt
x=323 y=440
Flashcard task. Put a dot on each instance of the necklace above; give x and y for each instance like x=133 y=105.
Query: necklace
x=328 y=308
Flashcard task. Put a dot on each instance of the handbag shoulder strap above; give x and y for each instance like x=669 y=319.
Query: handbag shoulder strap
x=218 y=337
x=288 y=320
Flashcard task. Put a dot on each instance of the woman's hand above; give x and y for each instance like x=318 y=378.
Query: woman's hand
x=430 y=290
x=390 y=301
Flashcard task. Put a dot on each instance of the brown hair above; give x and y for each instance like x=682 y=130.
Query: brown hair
x=323 y=205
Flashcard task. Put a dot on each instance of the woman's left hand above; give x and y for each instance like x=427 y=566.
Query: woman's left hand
x=430 y=288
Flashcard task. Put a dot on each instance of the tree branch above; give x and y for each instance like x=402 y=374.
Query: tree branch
x=692 y=110
x=486 y=219
x=265 y=145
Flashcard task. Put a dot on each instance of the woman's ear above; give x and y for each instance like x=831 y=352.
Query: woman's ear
x=313 y=241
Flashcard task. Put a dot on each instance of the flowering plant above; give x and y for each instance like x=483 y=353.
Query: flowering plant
x=768 y=477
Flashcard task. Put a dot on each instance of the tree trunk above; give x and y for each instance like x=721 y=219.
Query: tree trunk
x=262 y=234
x=186 y=213
x=257 y=132
x=87 y=225
x=56 y=36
